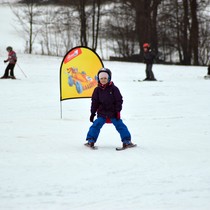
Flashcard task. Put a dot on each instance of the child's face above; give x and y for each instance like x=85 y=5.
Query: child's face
x=145 y=49
x=103 y=80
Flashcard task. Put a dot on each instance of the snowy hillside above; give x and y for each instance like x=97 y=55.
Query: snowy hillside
x=9 y=36
x=44 y=165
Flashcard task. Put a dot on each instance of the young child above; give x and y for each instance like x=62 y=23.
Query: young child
x=107 y=103
x=12 y=59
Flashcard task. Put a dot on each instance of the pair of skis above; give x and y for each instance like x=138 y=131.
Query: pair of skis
x=117 y=148
x=9 y=77
x=138 y=80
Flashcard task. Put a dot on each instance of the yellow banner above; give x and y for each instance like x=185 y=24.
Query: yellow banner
x=78 y=73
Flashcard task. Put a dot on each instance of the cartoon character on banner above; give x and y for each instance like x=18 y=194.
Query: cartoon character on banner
x=81 y=80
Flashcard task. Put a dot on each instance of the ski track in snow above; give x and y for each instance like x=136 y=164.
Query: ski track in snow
x=44 y=164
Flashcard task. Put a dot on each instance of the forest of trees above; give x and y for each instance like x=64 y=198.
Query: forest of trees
x=178 y=30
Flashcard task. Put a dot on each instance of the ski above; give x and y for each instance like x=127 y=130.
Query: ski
x=138 y=80
x=124 y=148
x=207 y=77
x=93 y=147
x=117 y=149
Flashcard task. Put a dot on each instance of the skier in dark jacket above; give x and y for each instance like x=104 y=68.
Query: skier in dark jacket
x=208 y=71
x=12 y=59
x=107 y=103
x=149 y=57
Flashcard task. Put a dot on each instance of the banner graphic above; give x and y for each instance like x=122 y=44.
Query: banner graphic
x=78 y=73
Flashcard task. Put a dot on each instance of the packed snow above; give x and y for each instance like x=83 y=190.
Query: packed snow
x=45 y=166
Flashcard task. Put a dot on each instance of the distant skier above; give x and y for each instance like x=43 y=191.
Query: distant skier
x=149 y=57
x=208 y=72
x=107 y=103
x=12 y=59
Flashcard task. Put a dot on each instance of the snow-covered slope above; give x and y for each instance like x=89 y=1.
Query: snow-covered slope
x=44 y=165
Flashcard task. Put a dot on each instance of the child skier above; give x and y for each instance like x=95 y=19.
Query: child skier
x=12 y=59
x=107 y=103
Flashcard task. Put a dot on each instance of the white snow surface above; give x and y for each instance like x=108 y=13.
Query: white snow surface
x=44 y=165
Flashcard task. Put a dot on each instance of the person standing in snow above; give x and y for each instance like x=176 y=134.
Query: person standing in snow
x=12 y=59
x=107 y=103
x=209 y=69
x=149 y=57
x=208 y=73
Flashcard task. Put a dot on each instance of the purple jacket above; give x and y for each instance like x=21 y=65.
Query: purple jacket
x=106 y=101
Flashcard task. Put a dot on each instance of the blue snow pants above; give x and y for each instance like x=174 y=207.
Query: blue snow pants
x=95 y=128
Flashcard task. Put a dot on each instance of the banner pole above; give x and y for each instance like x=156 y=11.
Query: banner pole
x=61 y=108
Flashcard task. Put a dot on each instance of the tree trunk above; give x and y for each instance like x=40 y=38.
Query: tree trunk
x=83 y=20
x=194 y=33
x=185 y=41
x=154 y=34
x=95 y=22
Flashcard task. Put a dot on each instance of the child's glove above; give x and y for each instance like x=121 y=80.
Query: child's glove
x=92 y=117
x=118 y=115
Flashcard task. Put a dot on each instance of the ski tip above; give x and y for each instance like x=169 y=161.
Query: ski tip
x=137 y=80
x=93 y=147
x=124 y=148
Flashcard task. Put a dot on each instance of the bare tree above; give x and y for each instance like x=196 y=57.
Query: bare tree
x=120 y=28
x=27 y=14
x=146 y=21
x=178 y=30
x=57 y=35
x=89 y=19
x=81 y=5
x=194 y=32
x=96 y=14
x=204 y=39
x=182 y=25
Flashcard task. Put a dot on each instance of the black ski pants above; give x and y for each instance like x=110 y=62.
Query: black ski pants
x=10 y=67
x=149 y=72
